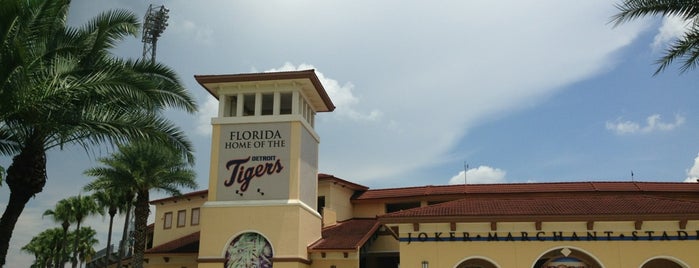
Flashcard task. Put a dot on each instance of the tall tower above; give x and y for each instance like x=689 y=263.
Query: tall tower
x=261 y=209
x=154 y=23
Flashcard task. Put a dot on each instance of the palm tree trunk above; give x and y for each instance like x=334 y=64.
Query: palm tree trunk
x=112 y=212
x=26 y=177
x=75 y=245
x=60 y=261
x=8 y=221
x=123 y=235
x=141 y=225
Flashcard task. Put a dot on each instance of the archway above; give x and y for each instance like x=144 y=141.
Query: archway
x=476 y=263
x=663 y=263
x=249 y=250
x=567 y=257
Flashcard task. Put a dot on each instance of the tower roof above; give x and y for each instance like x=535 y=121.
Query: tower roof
x=308 y=80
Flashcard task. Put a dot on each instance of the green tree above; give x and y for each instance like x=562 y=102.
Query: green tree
x=113 y=200
x=142 y=167
x=60 y=85
x=685 y=48
x=81 y=207
x=86 y=242
x=62 y=214
x=44 y=247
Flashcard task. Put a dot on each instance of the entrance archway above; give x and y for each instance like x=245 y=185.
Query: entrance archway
x=567 y=257
x=663 y=263
x=249 y=250
x=476 y=263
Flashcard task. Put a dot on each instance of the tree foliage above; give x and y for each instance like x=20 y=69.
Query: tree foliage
x=60 y=85
x=140 y=167
x=684 y=49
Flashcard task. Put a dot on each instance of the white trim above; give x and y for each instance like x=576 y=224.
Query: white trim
x=669 y=258
x=570 y=247
x=477 y=257
x=261 y=203
x=266 y=119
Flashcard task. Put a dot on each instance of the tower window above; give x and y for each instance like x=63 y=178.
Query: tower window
x=268 y=104
x=248 y=104
x=285 y=103
x=233 y=106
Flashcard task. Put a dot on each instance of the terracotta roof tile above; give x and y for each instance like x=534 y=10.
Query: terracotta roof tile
x=186 y=244
x=551 y=187
x=554 y=206
x=346 y=235
x=185 y=195
x=350 y=185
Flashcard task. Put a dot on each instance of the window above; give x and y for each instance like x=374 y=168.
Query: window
x=248 y=104
x=285 y=103
x=167 y=223
x=233 y=106
x=181 y=218
x=321 y=204
x=401 y=206
x=268 y=104
x=195 y=216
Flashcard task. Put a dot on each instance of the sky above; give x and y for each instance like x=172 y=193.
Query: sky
x=505 y=91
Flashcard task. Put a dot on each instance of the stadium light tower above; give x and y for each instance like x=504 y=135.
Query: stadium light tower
x=154 y=24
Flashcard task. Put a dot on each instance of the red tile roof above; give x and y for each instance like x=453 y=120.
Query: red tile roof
x=346 y=235
x=202 y=193
x=550 y=187
x=591 y=207
x=350 y=185
x=186 y=244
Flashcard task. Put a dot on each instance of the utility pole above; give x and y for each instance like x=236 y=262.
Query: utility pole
x=154 y=23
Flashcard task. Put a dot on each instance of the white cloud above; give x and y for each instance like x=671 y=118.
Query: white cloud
x=206 y=111
x=693 y=172
x=479 y=175
x=653 y=123
x=341 y=95
x=191 y=31
x=672 y=28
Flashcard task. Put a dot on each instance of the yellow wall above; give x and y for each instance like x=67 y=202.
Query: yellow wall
x=369 y=210
x=335 y=258
x=161 y=235
x=523 y=254
x=337 y=199
x=289 y=228
x=173 y=261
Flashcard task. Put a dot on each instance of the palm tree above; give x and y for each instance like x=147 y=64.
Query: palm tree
x=141 y=167
x=81 y=206
x=60 y=85
x=44 y=247
x=86 y=242
x=63 y=214
x=687 y=47
x=113 y=201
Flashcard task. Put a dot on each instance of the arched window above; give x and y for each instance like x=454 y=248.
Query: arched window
x=662 y=263
x=568 y=258
x=249 y=250
x=476 y=263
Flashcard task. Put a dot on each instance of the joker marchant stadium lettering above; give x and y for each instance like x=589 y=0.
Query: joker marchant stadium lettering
x=551 y=236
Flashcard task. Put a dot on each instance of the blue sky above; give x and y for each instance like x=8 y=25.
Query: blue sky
x=531 y=91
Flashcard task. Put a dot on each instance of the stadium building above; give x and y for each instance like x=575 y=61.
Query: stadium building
x=268 y=206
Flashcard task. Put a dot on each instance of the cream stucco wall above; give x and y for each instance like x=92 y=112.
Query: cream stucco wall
x=337 y=199
x=524 y=254
x=290 y=228
x=368 y=210
x=161 y=235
